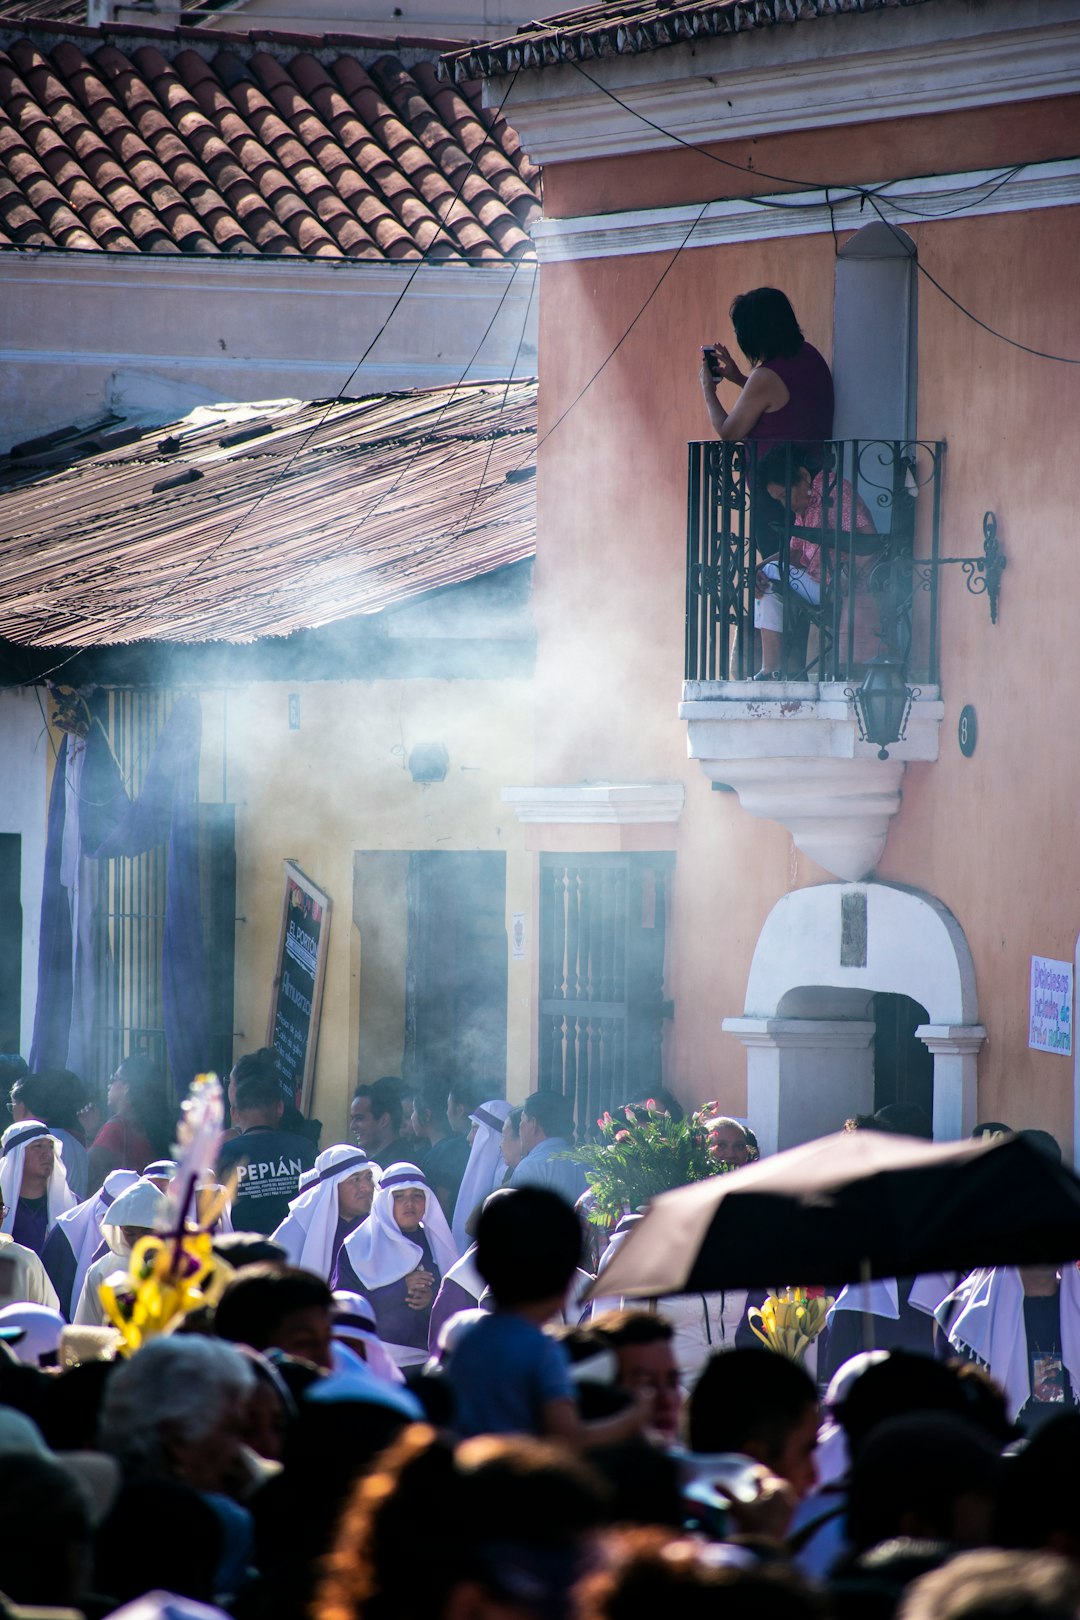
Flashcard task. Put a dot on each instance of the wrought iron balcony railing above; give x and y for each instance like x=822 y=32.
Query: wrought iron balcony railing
x=833 y=549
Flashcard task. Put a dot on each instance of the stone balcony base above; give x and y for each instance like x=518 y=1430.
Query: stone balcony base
x=791 y=751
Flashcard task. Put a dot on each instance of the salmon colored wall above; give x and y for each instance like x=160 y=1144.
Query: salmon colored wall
x=992 y=837
x=609 y=603
x=861 y=154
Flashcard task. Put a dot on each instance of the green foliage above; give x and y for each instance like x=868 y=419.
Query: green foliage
x=642 y=1152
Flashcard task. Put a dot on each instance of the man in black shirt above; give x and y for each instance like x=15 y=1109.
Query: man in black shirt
x=447 y=1152
x=268 y=1160
x=375 y=1122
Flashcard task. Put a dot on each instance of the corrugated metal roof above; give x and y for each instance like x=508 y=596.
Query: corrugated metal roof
x=591 y=32
x=241 y=522
x=193 y=141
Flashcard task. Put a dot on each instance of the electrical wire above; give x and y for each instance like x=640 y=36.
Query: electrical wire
x=870 y=195
x=464 y=527
x=426 y=438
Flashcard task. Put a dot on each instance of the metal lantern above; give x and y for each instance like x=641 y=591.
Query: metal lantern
x=882 y=704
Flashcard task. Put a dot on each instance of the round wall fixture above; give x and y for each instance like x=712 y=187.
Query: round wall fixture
x=967 y=732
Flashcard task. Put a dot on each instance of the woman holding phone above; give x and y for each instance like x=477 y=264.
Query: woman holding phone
x=788 y=395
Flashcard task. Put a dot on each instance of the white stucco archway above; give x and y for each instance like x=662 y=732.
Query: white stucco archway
x=823 y=952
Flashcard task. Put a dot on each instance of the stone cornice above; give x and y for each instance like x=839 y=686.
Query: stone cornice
x=805 y=213
x=894 y=65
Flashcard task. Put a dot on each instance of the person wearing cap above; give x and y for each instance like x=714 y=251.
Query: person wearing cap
x=486 y=1167
x=75 y=1242
x=397 y=1259
x=38 y=1328
x=133 y=1214
x=33 y=1185
x=335 y=1197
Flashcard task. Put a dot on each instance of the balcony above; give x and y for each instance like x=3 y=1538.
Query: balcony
x=803 y=564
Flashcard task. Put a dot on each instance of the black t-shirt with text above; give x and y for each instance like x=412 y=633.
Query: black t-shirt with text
x=269 y=1164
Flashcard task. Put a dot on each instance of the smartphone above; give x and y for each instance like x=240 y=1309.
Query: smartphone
x=711 y=361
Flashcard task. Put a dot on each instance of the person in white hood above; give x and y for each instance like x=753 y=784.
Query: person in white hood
x=33 y=1183
x=132 y=1215
x=334 y=1199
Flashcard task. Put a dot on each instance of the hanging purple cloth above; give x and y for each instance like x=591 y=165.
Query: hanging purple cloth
x=91 y=815
x=53 y=1013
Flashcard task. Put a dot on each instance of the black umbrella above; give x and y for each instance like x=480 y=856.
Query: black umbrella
x=853 y=1206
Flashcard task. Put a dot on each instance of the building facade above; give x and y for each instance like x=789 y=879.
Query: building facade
x=840 y=930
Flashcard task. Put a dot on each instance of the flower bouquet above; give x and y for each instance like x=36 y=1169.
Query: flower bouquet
x=175 y=1271
x=791 y=1320
x=640 y=1152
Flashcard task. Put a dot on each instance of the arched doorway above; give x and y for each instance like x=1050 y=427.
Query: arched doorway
x=809 y=1024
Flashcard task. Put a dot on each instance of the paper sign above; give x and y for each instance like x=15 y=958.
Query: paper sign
x=1050 y=1016
x=517 y=944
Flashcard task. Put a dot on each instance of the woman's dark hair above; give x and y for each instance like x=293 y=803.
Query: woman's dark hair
x=513 y=1119
x=511 y=1514
x=765 y=324
x=150 y=1105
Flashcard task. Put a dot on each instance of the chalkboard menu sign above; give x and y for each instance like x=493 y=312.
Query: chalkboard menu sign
x=296 y=998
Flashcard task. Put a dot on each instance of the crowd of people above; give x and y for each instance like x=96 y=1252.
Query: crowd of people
x=402 y=1406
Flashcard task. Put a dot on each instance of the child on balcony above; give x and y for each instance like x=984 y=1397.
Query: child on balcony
x=789 y=479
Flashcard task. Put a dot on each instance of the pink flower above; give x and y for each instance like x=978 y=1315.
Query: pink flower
x=652 y=1105
x=622 y=1136
x=630 y=1115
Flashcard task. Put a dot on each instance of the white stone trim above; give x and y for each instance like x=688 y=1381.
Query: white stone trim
x=791 y=751
x=826 y=73
x=804 y=213
x=598 y=803
x=955 y=1048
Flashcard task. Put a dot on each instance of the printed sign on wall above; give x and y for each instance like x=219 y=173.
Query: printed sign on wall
x=1050 y=1006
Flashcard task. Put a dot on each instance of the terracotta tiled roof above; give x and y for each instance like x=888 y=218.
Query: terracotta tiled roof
x=192 y=141
x=635 y=26
x=241 y=522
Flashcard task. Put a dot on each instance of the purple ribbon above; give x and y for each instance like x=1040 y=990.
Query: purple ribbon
x=405 y=1179
x=491 y=1120
x=359 y=1161
x=26 y=1136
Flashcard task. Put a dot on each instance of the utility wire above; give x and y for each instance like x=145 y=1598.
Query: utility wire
x=244 y=516
x=869 y=194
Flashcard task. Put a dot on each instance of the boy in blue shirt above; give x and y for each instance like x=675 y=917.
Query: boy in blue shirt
x=506 y=1374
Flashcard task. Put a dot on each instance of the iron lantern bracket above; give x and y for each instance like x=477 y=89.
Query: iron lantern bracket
x=983 y=574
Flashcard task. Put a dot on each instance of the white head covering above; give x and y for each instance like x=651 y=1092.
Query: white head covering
x=353 y=1318
x=991 y=1329
x=13 y=1145
x=485 y=1169
x=307 y=1232
x=142 y=1204
x=81 y=1226
x=379 y=1251
x=159 y=1170
x=41 y=1327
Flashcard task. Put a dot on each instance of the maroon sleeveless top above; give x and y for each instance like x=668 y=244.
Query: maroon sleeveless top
x=808 y=415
